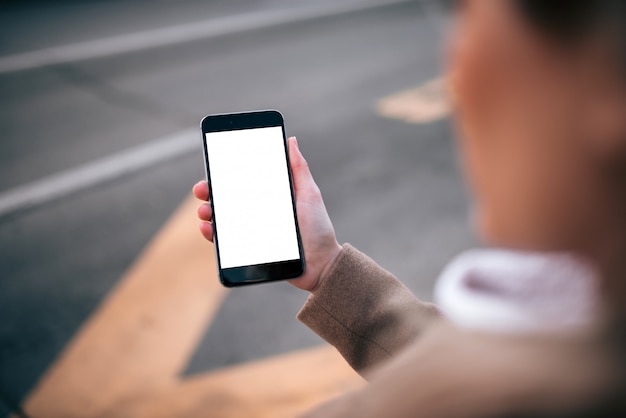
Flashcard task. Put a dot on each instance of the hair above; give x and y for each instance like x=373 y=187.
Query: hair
x=571 y=20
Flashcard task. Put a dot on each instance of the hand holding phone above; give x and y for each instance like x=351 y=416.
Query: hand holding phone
x=318 y=237
x=248 y=168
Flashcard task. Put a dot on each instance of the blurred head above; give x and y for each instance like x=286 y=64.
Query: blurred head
x=540 y=87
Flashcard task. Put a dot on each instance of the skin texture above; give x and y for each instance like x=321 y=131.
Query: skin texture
x=542 y=138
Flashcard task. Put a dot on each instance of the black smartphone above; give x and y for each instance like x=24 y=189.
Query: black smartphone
x=255 y=225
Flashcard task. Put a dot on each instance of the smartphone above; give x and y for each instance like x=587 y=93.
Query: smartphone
x=255 y=225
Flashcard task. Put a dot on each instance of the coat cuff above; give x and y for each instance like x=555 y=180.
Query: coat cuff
x=362 y=309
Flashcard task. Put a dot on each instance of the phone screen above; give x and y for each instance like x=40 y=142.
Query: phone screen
x=251 y=195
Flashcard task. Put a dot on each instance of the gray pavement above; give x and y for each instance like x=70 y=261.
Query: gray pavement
x=392 y=189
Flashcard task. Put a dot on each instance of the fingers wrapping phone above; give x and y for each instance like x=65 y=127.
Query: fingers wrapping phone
x=207 y=230
x=205 y=213
x=201 y=190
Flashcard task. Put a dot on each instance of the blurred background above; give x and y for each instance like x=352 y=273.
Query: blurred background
x=100 y=103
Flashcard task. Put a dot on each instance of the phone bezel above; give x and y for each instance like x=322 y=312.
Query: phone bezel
x=261 y=273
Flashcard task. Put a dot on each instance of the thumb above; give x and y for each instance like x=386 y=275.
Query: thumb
x=302 y=178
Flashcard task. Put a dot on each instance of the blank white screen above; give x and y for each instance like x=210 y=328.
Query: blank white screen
x=254 y=216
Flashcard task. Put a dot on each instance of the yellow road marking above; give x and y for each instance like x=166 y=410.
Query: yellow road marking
x=282 y=386
x=425 y=104
x=126 y=359
x=143 y=334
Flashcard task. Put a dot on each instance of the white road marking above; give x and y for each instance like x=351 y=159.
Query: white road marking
x=99 y=171
x=132 y=160
x=178 y=34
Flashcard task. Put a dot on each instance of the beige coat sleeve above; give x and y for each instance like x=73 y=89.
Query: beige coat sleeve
x=454 y=373
x=364 y=311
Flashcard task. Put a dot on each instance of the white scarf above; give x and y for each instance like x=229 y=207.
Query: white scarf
x=517 y=292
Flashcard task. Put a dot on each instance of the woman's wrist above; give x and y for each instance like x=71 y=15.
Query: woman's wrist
x=333 y=255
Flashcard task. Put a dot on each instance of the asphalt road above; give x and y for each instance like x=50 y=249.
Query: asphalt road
x=392 y=188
